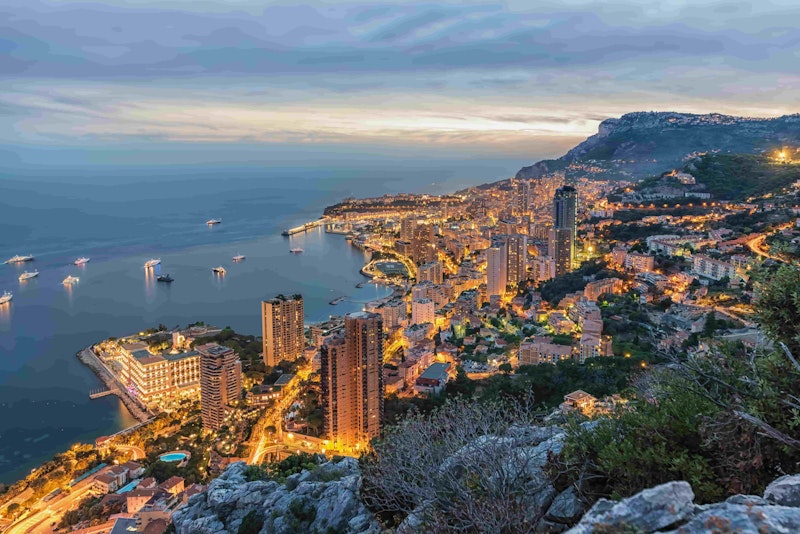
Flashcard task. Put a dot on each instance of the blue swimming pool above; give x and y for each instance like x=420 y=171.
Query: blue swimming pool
x=173 y=457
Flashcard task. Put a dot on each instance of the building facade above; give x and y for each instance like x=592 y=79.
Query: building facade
x=516 y=259
x=282 y=327
x=220 y=383
x=352 y=381
x=562 y=236
x=496 y=275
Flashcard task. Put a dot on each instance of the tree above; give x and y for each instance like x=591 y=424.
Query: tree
x=505 y=368
x=12 y=509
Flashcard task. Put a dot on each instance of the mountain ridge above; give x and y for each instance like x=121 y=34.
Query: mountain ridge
x=645 y=143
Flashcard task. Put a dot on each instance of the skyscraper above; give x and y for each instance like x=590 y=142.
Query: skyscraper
x=496 y=274
x=352 y=380
x=516 y=258
x=282 y=328
x=562 y=236
x=220 y=383
x=524 y=197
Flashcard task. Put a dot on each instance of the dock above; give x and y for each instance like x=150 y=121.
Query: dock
x=96 y=394
x=303 y=227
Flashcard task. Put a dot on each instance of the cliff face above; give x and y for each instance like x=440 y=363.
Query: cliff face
x=643 y=144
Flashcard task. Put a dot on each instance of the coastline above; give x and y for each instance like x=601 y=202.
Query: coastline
x=89 y=358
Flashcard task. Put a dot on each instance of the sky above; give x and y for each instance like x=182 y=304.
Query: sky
x=522 y=79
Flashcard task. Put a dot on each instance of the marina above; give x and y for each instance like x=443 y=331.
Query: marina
x=303 y=227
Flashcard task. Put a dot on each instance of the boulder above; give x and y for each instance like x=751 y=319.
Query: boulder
x=566 y=508
x=744 y=519
x=650 y=510
x=784 y=490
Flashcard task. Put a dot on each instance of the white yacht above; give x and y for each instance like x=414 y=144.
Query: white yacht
x=219 y=270
x=82 y=261
x=239 y=257
x=297 y=250
x=27 y=275
x=152 y=263
x=19 y=259
x=212 y=222
x=69 y=280
x=7 y=296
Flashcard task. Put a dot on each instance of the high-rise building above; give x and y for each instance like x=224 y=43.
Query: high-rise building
x=220 y=383
x=516 y=258
x=562 y=236
x=496 y=275
x=524 y=197
x=282 y=327
x=352 y=381
x=431 y=272
x=423 y=311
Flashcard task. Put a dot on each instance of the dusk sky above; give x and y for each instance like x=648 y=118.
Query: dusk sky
x=518 y=78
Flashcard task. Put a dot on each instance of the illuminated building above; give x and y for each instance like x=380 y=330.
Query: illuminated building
x=496 y=275
x=352 y=381
x=220 y=383
x=516 y=259
x=282 y=329
x=562 y=235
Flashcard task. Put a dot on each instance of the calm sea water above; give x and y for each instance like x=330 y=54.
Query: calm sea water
x=121 y=217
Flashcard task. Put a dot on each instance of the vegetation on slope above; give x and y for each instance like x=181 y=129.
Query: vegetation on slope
x=739 y=176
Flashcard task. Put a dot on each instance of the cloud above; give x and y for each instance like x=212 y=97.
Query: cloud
x=473 y=73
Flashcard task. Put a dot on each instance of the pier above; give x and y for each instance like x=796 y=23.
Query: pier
x=303 y=227
x=96 y=394
x=88 y=357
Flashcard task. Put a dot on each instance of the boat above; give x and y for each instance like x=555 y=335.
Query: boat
x=27 y=275
x=212 y=222
x=239 y=257
x=219 y=270
x=82 y=261
x=336 y=301
x=164 y=278
x=152 y=263
x=69 y=280
x=296 y=250
x=19 y=259
x=7 y=296
x=360 y=285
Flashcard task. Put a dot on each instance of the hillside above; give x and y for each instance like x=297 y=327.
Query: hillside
x=643 y=144
x=739 y=176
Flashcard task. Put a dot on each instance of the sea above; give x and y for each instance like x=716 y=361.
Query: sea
x=121 y=215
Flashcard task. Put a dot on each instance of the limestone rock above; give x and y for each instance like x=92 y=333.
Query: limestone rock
x=566 y=508
x=651 y=510
x=744 y=519
x=784 y=490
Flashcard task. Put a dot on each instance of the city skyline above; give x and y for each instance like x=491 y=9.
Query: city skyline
x=507 y=79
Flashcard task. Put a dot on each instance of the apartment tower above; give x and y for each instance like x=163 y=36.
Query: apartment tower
x=282 y=328
x=220 y=383
x=562 y=235
x=352 y=381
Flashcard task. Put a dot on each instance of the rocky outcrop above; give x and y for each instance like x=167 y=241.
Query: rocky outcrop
x=668 y=508
x=325 y=499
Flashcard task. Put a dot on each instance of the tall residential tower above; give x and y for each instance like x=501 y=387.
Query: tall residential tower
x=562 y=235
x=220 y=383
x=282 y=327
x=352 y=381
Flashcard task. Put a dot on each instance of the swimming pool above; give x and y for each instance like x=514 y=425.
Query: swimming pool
x=173 y=457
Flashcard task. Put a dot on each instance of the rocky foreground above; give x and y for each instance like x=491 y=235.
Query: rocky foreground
x=327 y=500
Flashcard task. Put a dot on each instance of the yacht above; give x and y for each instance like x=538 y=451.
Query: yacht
x=69 y=280
x=212 y=222
x=81 y=261
x=297 y=250
x=19 y=259
x=219 y=270
x=165 y=278
x=7 y=296
x=28 y=275
x=152 y=263
x=239 y=257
